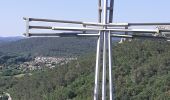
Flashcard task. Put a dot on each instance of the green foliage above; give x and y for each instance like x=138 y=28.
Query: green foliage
x=70 y=81
x=10 y=72
x=50 y=46
x=13 y=58
x=141 y=71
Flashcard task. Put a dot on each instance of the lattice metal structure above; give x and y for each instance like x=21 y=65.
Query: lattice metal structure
x=104 y=30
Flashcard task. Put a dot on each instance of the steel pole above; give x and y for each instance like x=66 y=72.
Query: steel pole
x=110 y=51
x=104 y=68
x=27 y=27
x=105 y=6
x=99 y=11
x=111 y=11
x=110 y=65
x=97 y=70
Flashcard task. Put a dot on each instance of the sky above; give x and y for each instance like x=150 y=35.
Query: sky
x=13 y=11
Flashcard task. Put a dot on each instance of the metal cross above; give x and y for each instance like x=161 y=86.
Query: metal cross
x=104 y=30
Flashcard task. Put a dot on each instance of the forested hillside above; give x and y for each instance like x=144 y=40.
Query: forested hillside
x=50 y=46
x=141 y=71
x=9 y=39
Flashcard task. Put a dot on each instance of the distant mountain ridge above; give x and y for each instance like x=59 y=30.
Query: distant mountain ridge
x=50 y=46
x=10 y=39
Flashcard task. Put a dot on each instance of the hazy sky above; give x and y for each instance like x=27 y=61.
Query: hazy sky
x=12 y=12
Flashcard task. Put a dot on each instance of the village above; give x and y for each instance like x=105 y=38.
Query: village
x=44 y=62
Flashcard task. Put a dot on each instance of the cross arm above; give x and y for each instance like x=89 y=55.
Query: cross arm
x=62 y=21
x=94 y=24
x=113 y=27
x=99 y=29
x=147 y=24
x=69 y=34
x=113 y=30
x=73 y=22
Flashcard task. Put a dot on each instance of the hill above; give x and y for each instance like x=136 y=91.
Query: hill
x=141 y=71
x=50 y=46
x=10 y=39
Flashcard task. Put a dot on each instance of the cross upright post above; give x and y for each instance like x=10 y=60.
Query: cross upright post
x=106 y=46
